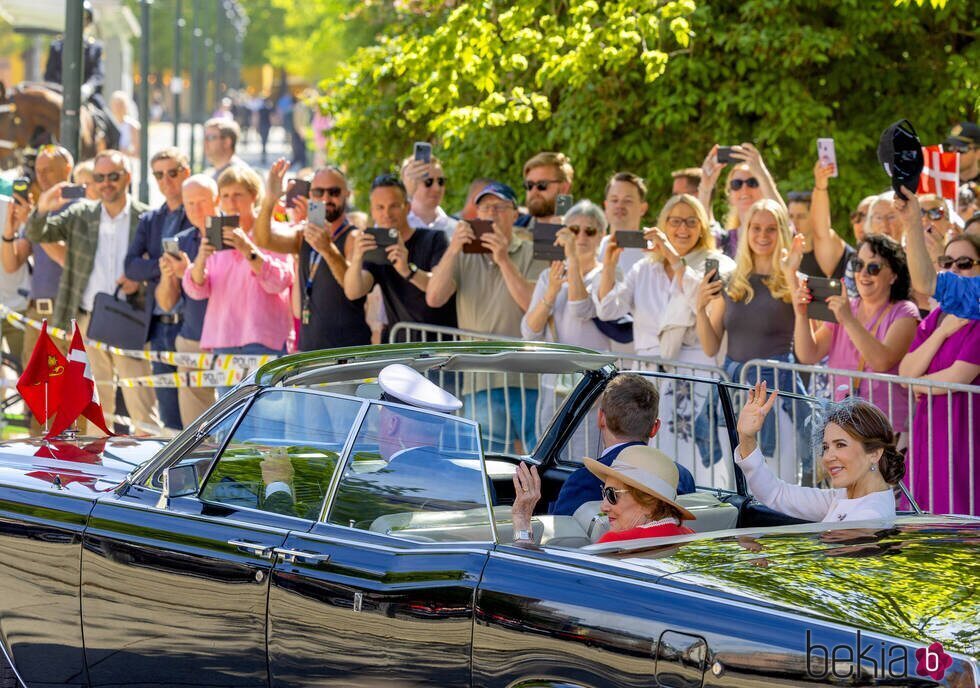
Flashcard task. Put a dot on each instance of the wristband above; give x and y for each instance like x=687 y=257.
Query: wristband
x=10 y=240
x=819 y=188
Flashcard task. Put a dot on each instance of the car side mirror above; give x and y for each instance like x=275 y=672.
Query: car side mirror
x=177 y=481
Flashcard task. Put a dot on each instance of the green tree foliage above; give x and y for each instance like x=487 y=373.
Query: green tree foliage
x=649 y=87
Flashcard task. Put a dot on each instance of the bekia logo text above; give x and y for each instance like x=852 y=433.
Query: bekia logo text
x=849 y=661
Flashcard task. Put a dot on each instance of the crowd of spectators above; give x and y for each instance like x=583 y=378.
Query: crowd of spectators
x=308 y=271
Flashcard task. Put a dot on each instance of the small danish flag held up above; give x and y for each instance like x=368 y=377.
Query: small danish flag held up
x=79 y=397
x=940 y=174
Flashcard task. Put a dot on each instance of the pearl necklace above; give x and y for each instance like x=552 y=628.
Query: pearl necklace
x=662 y=522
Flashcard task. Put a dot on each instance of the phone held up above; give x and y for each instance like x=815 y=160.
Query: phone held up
x=630 y=239
x=73 y=191
x=317 y=214
x=822 y=288
x=384 y=238
x=725 y=154
x=563 y=203
x=423 y=151
x=215 y=226
x=709 y=265
x=544 y=235
x=480 y=227
x=299 y=187
x=826 y=153
x=171 y=247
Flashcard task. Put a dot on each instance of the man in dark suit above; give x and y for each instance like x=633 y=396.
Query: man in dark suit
x=628 y=414
x=93 y=78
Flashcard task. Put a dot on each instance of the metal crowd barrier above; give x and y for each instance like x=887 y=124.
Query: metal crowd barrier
x=899 y=404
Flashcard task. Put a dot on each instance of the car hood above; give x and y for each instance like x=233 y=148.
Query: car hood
x=82 y=465
x=915 y=579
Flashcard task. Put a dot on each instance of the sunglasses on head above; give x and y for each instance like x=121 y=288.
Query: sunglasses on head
x=589 y=231
x=857 y=265
x=962 y=263
x=172 y=173
x=320 y=192
x=933 y=213
x=737 y=184
x=112 y=177
x=540 y=186
x=431 y=180
x=611 y=494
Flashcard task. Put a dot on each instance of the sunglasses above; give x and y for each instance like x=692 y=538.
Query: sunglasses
x=320 y=192
x=430 y=181
x=873 y=269
x=963 y=263
x=858 y=216
x=737 y=184
x=611 y=495
x=589 y=231
x=112 y=177
x=541 y=185
x=172 y=173
x=678 y=222
x=958 y=149
x=933 y=213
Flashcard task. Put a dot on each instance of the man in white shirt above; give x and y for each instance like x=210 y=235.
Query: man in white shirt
x=425 y=183
x=97 y=235
x=625 y=205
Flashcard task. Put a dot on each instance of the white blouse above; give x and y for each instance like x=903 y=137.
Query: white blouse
x=573 y=319
x=811 y=503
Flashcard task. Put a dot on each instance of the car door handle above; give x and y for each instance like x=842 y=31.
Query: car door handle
x=291 y=555
x=257 y=548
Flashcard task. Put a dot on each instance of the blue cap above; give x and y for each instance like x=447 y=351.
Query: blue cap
x=500 y=190
x=407 y=386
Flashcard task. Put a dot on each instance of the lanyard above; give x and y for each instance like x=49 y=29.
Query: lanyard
x=316 y=259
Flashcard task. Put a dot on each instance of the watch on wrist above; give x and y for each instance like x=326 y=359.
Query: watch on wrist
x=412 y=270
x=252 y=255
x=523 y=535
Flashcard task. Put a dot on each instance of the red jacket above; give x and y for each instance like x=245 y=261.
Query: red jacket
x=640 y=532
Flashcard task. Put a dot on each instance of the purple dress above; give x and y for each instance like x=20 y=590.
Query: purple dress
x=963 y=345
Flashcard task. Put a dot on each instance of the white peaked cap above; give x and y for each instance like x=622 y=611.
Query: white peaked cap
x=408 y=386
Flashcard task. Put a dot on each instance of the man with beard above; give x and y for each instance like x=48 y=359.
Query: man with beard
x=546 y=175
x=328 y=319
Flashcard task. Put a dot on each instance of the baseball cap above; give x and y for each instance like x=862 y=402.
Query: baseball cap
x=962 y=135
x=900 y=152
x=500 y=190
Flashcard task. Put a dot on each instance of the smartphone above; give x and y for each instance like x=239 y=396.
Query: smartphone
x=725 y=154
x=821 y=288
x=216 y=224
x=171 y=247
x=299 y=187
x=480 y=227
x=423 y=151
x=563 y=204
x=709 y=265
x=627 y=239
x=317 y=214
x=73 y=191
x=384 y=237
x=22 y=187
x=544 y=235
x=826 y=153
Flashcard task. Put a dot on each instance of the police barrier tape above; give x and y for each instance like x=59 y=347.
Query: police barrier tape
x=203 y=361
x=196 y=378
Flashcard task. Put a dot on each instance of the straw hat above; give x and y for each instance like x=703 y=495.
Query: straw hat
x=647 y=469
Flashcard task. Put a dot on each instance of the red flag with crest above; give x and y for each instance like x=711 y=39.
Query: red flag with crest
x=79 y=397
x=43 y=379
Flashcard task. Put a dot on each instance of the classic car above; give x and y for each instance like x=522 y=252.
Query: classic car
x=280 y=542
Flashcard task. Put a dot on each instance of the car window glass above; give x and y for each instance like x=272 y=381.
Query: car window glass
x=203 y=452
x=791 y=437
x=283 y=454
x=416 y=475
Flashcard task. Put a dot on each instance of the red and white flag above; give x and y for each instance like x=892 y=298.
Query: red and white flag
x=44 y=377
x=940 y=174
x=78 y=394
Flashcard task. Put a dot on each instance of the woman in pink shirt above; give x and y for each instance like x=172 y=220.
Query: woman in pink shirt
x=872 y=333
x=247 y=287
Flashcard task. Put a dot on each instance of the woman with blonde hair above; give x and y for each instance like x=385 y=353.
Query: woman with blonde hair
x=755 y=310
x=660 y=293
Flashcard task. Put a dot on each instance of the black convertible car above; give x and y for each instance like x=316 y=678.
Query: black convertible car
x=289 y=539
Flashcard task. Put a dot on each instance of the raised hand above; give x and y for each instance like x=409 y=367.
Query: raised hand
x=274 y=180
x=527 y=493
x=752 y=417
x=840 y=305
x=790 y=260
x=708 y=291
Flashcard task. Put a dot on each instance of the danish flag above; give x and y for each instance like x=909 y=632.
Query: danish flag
x=940 y=174
x=79 y=397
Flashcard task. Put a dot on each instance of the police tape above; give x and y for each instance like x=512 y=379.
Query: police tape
x=199 y=361
x=196 y=378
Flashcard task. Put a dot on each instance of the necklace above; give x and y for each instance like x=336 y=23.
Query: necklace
x=662 y=522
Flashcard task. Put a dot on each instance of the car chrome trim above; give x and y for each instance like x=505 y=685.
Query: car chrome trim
x=421 y=547
x=655 y=584
x=342 y=461
x=10 y=663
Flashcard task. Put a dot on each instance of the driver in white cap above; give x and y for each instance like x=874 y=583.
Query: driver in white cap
x=401 y=430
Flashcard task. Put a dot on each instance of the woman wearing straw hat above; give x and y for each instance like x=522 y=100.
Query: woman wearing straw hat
x=639 y=495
